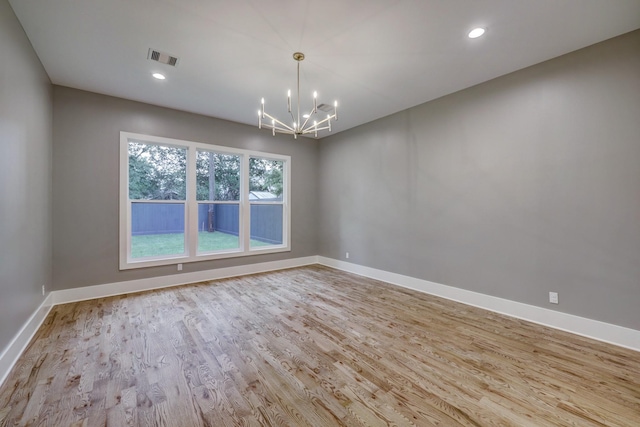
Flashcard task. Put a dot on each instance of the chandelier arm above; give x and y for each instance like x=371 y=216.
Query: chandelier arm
x=306 y=121
x=322 y=121
x=312 y=129
x=285 y=132
x=284 y=125
x=279 y=129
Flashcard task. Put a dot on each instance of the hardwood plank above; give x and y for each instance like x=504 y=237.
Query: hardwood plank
x=311 y=346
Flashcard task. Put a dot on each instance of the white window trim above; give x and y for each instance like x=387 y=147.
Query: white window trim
x=191 y=204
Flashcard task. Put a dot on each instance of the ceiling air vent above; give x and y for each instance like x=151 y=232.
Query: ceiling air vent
x=325 y=107
x=163 y=58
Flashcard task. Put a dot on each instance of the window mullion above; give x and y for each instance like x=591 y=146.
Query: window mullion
x=286 y=204
x=191 y=205
x=245 y=206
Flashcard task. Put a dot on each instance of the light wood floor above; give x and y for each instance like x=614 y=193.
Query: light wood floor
x=311 y=347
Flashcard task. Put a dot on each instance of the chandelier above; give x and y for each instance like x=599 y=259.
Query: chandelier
x=311 y=124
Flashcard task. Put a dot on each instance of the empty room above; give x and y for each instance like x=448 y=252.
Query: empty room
x=339 y=213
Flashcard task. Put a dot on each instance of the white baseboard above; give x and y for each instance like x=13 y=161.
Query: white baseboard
x=139 y=285
x=19 y=343
x=601 y=331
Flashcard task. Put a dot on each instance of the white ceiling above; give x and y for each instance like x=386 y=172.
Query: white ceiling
x=376 y=57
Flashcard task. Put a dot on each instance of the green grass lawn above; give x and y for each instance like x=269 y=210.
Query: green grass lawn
x=173 y=243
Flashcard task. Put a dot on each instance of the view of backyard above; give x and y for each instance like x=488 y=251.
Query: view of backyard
x=157 y=201
x=173 y=243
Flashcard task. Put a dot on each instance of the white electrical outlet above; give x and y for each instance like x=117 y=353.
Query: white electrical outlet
x=553 y=297
x=346 y=255
x=179 y=267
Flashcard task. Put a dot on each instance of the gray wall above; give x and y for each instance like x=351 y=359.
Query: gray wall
x=25 y=172
x=86 y=129
x=526 y=184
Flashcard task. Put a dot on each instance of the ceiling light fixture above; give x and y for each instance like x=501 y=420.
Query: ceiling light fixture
x=298 y=127
x=476 y=32
x=158 y=76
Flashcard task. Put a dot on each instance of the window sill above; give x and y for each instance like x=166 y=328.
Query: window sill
x=183 y=259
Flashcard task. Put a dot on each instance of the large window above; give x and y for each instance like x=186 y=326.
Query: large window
x=183 y=201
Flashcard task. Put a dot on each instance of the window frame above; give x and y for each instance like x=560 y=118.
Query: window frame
x=191 y=204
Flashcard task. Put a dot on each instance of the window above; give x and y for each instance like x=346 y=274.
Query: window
x=183 y=201
x=157 y=199
x=265 y=198
x=218 y=195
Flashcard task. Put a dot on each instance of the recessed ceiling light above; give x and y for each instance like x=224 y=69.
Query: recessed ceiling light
x=476 y=32
x=159 y=76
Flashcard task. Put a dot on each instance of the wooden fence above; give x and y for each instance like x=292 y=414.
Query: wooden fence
x=164 y=218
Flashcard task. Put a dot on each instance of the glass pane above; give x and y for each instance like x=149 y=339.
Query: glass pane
x=265 y=180
x=157 y=229
x=157 y=172
x=218 y=227
x=266 y=225
x=218 y=176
